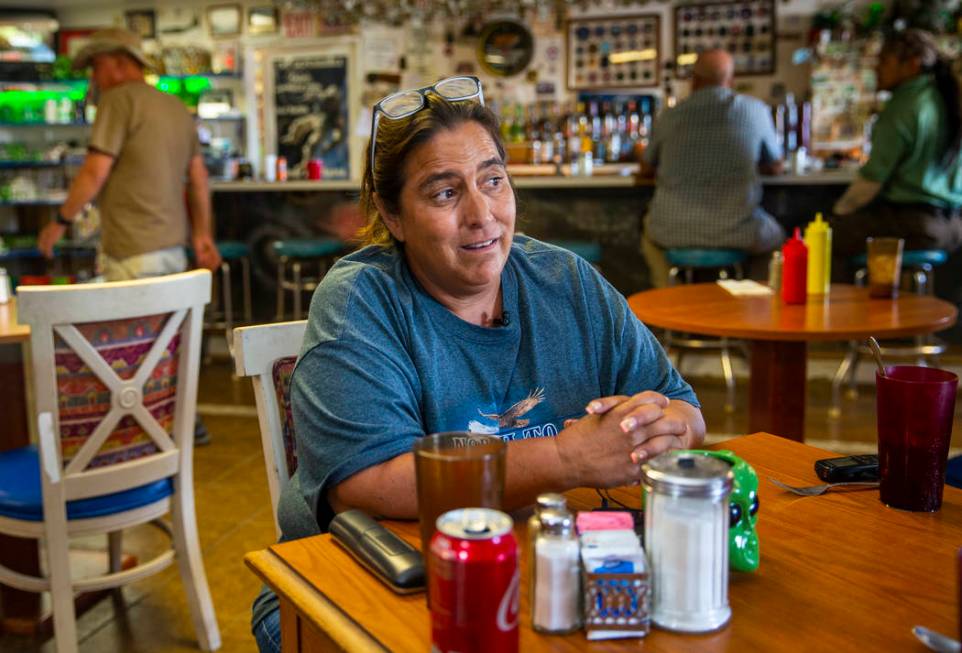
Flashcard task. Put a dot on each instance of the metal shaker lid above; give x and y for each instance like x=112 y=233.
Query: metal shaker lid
x=555 y=521
x=551 y=500
x=688 y=474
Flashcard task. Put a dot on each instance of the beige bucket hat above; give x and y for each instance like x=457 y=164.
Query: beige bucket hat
x=111 y=39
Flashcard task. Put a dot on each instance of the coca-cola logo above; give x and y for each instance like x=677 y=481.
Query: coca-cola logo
x=509 y=607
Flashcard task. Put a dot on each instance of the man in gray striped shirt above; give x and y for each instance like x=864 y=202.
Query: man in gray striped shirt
x=708 y=152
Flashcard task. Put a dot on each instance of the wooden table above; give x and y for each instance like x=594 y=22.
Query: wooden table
x=20 y=609
x=839 y=572
x=779 y=334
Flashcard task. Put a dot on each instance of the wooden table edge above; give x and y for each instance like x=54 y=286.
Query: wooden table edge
x=673 y=323
x=311 y=603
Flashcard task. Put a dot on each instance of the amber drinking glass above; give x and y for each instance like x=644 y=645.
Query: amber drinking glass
x=915 y=406
x=457 y=470
x=884 y=266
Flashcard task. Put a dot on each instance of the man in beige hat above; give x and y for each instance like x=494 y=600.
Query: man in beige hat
x=142 y=159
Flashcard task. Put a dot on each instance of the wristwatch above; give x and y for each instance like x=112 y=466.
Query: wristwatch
x=62 y=220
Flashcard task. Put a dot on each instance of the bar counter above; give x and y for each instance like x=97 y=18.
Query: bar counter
x=521 y=180
x=606 y=208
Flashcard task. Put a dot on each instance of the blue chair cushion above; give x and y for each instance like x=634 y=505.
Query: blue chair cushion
x=22 y=498
x=231 y=250
x=705 y=258
x=586 y=249
x=953 y=472
x=911 y=258
x=308 y=248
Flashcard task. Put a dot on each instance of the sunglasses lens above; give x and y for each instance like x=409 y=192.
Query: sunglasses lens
x=456 y=88
x=402 y=104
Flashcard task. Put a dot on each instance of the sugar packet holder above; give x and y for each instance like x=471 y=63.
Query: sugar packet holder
x=616 y=585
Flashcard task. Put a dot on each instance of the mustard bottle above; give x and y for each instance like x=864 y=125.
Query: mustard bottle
x=818 y=239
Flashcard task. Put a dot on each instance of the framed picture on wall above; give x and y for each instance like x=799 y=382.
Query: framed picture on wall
x=745 y=28
x=69 y=41
x=613 y=51
x=142 y=22
x=309 y=110
x=262 y=20
x=224 y=20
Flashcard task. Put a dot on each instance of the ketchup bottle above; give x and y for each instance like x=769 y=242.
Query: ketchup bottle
x=794 y=269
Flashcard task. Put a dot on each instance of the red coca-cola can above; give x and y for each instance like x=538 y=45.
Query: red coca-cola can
x=281 y=174
x=473 y=580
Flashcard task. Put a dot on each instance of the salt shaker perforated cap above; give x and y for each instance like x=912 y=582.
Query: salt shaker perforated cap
x=551 y=500
x=687 y=474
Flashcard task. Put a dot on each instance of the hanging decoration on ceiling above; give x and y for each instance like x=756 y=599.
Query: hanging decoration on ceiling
x=397 y=12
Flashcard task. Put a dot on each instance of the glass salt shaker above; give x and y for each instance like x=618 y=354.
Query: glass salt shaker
x=556 y=574
x=686 y=534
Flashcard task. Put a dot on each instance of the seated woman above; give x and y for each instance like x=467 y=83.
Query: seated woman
x=449 y=321
x=911 y=187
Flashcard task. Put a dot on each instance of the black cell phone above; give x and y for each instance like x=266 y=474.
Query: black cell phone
x=848 y=468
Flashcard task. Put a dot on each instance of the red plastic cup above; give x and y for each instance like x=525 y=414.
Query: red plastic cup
x=915 y=406
x=315 y=169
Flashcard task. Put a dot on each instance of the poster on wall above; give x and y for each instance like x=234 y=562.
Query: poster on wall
x=311 y=114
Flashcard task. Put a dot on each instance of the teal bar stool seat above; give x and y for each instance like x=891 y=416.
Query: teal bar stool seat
x=918 y=276
x=586 y=249
x=296 y=253
x=221 y=313
x=684 y=263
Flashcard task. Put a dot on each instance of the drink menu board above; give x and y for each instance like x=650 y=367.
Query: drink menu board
x=311 y=113
x=745 y=29
x=614 y=52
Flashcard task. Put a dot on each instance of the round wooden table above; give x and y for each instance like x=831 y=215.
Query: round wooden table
x=779 y=334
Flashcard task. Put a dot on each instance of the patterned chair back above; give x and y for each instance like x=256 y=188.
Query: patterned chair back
x=84 y=400
x=282 y=371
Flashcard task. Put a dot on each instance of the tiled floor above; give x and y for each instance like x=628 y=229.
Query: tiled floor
x=234 y=516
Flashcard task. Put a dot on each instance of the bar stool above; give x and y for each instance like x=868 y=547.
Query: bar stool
x=297 y=252
x=220 y=315
x=918 y=268
x=684 y=262
x=586 y=249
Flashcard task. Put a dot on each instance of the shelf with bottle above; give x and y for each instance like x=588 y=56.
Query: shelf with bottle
x=37 y=201
x=598 y=131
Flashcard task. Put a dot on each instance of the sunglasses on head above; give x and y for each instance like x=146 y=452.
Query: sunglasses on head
x=406 y=103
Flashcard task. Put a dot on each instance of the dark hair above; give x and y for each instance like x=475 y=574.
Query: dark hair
x=917 y=43
x=396 y=139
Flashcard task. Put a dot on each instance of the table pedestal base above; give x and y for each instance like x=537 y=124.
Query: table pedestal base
x=778 y=388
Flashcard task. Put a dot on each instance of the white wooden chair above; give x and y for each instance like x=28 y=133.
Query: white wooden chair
x=267 y=354
x=115 y=371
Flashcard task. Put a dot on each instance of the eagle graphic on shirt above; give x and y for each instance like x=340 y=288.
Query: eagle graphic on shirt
x=511 y=418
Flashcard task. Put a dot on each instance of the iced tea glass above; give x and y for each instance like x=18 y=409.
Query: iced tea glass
x=884 y=266
x=457 y=470
x=914 y=406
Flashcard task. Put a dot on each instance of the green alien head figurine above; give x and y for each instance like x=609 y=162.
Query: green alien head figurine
x=743 y=550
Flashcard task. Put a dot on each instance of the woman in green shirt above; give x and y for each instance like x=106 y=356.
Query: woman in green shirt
x=911 y=187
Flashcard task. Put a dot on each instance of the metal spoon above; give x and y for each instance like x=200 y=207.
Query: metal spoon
x=873 y=343
x=936 y=641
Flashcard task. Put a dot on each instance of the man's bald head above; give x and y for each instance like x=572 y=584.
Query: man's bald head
x=713 y=68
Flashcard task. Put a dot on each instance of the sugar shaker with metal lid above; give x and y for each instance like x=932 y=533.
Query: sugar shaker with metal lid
x=555 y=574
x=686 y=534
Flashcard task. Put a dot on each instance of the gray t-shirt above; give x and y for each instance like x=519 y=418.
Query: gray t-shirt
x=707 y=150
x=152 y=139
